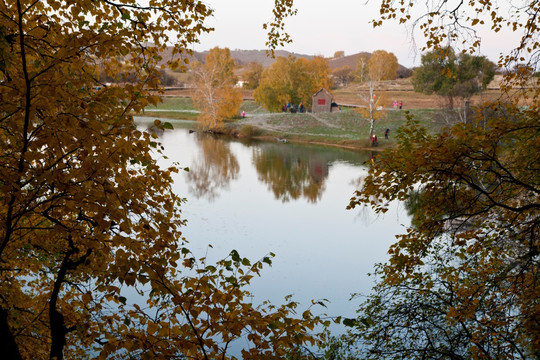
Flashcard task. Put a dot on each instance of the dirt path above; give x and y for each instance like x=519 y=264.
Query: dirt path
x=329 y=124
x=262 y=121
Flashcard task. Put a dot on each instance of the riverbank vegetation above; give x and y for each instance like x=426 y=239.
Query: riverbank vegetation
x=348 y=127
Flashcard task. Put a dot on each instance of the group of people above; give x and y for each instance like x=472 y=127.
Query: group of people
x=293 y=108
x=398 y=103
x=375 y=141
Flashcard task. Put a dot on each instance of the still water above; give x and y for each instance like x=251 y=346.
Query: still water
x=288 y=199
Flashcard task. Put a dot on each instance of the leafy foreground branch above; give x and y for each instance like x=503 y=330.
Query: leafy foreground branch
x=92 y=259
x=202 y=315
x=463 y=283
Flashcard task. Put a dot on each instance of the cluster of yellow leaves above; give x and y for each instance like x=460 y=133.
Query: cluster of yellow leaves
x=292 y=80
x=201 y=314
x=381 y=65
x=277 y=36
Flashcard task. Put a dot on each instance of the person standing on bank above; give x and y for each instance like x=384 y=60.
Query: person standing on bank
x=386 y=132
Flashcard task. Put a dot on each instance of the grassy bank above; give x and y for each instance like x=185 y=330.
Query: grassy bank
x=346 y=128
x=173 y=108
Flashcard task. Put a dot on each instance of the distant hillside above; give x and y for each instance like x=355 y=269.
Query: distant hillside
x=351 y=60
x=244 y=57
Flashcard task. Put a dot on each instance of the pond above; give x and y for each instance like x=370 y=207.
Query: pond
x=288 y=199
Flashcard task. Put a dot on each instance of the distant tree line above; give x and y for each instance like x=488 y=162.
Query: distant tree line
x=132 y=77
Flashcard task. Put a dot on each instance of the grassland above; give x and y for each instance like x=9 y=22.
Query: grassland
x=347 y=128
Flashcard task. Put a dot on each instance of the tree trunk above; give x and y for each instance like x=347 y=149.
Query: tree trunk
x=9 y=347
x=450 y=102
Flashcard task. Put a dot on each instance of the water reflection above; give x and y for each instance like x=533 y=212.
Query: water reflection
x=292 y=172
x=322 y=250
x=213 y=168
x=289 y=173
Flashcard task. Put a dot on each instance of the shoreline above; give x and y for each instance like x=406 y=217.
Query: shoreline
x=260 y=129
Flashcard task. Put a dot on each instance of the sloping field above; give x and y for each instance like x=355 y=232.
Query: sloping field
x=399 y=90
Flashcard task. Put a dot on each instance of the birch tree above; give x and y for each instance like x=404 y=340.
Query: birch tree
x=381 y=65
x=216 y=96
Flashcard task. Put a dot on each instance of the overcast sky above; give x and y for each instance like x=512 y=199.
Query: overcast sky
x=322 y=27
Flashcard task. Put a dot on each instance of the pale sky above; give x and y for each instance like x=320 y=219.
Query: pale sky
x=323 y=27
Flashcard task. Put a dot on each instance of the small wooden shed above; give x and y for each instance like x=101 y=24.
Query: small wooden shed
x=321 y=101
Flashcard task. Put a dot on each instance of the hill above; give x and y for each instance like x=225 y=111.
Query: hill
x=351 y=61
x=244 y=57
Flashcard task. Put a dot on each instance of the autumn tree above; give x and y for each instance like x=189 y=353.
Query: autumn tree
x=292 y=80
x=320 y=70
x=343 y=75
x=479 y=197
x=92 y=259
x=339 y=54
x=216 y=96
x=360 y=71
x=253 y=74
x=462 y=282
x=382 y=66
x=370 y=70
x=449 y=75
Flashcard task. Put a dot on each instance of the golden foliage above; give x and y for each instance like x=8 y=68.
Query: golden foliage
x=462 y=282
x=382 y=66
x=292 y=80
x=87 y=216
x=473 y=252
x=216 y=96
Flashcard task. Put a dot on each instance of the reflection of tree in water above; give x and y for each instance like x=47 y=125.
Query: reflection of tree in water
x=213 y=169
x=292 y=173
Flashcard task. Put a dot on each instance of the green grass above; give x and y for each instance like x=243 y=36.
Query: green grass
x=252 y=107
x=173 y=108
x=173 y=103
x=172 y=114
x=350 y=126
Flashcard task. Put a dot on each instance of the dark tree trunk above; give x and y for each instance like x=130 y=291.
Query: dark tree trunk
x=9 y=347
x=58 y=334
